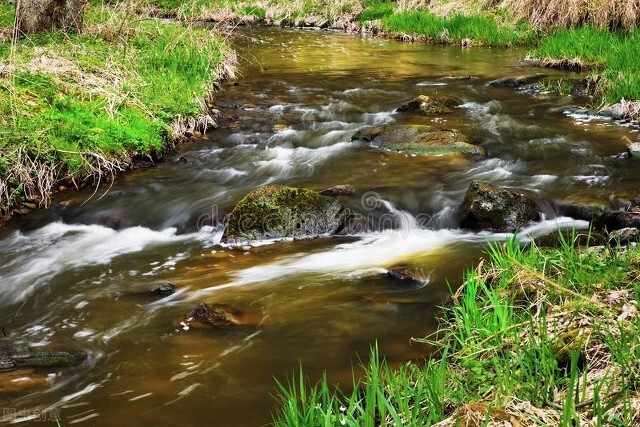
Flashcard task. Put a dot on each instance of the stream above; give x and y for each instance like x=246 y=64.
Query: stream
x=78 y=275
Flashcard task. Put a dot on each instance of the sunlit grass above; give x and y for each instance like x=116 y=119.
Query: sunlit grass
x=480 y=29
x=110 y=93
x=508 y=347
x=615 y=53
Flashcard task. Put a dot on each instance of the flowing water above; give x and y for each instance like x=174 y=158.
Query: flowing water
x=77 y=275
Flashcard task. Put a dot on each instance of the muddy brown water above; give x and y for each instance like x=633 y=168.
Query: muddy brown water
x=75 y=276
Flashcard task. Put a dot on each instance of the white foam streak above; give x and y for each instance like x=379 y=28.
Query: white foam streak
x=59 y=247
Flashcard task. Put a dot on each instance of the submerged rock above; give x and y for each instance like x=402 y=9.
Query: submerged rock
x=22 y=356
x=339 y=190
x=517 y=81
x=275 y=212
x=405 y=274
x=487 y=207
x=23 y=380
x=164 y=290
x=430 y=105
x=419 y=140
x=213 y=315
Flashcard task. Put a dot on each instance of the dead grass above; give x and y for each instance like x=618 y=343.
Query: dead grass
x=604 y=14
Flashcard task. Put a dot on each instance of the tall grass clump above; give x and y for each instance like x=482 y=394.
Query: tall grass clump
x=603 y=14
x=477 y=28
x=532 y=337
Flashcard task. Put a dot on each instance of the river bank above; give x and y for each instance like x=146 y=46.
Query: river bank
x=533 y=337
x=97 y=145
x=79 y=109
x=599 y=36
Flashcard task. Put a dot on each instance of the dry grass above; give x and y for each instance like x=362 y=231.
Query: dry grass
x=604 y=14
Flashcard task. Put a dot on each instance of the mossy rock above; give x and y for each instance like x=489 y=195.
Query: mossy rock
x=276 y=212
x=22 y=356
x=418 y=140
x=430 y=105
x=487 y=207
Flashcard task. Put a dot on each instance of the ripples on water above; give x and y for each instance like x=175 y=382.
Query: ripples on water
x=78 y=275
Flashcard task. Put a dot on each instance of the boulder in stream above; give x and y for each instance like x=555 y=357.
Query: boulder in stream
x=276 y=212
x=430 y=105
x=418 y=140
x=618 y=220
x=19 y=356
x=487 y=207
x=593 y=212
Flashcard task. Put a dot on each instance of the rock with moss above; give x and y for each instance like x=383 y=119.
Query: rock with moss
x=430 y=105
x=487 y=207
x=276 y=212
x=22 y=356
x=418 y=140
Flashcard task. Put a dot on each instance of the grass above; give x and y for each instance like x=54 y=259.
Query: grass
x=533 y=337
x=477 y=28
x=377 y=10
x=73 y=106
x=615 y=54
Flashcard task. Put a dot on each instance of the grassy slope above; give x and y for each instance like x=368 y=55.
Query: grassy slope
x=75 y=105
x=534 y=337
x=614 y=53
